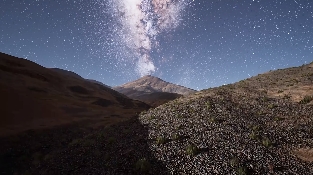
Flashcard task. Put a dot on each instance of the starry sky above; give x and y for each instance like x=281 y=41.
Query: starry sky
x=194 y=43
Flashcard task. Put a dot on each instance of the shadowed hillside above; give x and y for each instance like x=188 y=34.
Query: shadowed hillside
x=37 y=97
x=55 y=122
x=261 y=125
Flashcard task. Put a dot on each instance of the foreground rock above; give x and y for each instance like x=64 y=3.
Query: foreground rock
x=230 y=133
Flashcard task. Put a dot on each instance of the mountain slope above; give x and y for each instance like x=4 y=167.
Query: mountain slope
x=66 y=73
x=232 y=129
x=74 y=75
x=240 y=128
x=153 y=90
x=37 y=97
x=150 y=83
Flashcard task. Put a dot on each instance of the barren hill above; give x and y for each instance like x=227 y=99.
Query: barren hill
x=153 y=90
x=242 y=128
x=36 y=97
x=260 y=125
x=74 y=75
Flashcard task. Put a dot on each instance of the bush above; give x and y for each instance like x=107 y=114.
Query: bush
x=286 y=96
x=306 y=99
x=143 y=166
x=256 y=128
x=254 y=135
x=111 y=140
x=160 y=140
x=192 y=150
x=278 y=119
x=242 y=171
x=208 y=105
x=266 y=142
x=234 y=162
x=176 y=137
x=271 y=106
x=212 y=119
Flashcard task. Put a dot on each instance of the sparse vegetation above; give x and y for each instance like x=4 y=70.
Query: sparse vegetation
x=271 y=106
x=266 y=142
x=212 y=119
x=278 y=118
x=208 y=105
x=143 y=166
x=242 y=170
x=111 y=140
x=176 y=137
x=238 y=122
x=160 y=140
x=287 y=96
x=234 y=162
x=75 y=142
x=178 y=127
x=192 y=150
x=256 y=128
x=254 y=135
x=306 y=99
x=37 y=158
x=265 y=99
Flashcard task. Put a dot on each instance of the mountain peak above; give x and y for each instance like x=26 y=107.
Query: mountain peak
x=154 y=84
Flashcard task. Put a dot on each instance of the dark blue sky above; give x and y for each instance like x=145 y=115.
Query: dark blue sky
x=216 y=42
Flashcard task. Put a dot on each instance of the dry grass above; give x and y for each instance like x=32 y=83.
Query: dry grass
x=305 y=154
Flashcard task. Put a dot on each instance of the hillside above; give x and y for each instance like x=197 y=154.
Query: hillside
x=152 y=90
x=259 y=125
x=43 y=110
x=241 y=128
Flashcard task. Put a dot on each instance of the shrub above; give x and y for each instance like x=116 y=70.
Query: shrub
x=256 y=128
x=143 y=166
x=271 y=106
x=265 y=99
x=254 y=135
x=212 y=119
x=278 y=119
x=208 y=105
x=286 y=96
x=75 y=142
x=111 y=140
x=176 y=137
x=242 y=170
x=234 y=162
x=192 y=150
x=179 y=126
x=160 y=140
x=306 y=99
x=266 y=142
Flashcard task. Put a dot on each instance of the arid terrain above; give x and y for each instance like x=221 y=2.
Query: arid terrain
x=261 y=125
x=45 y=109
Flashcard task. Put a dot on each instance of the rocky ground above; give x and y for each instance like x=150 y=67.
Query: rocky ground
x=221 y=132
x=262 y=125
x=74 y=149
x=231 y=133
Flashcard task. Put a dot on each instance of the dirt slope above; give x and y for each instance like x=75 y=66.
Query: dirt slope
x=36 y=97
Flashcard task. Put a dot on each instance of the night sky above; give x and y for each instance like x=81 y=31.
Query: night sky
x=194 y=43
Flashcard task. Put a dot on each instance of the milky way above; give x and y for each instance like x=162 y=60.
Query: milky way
x=194 y=43
x=139 y=22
